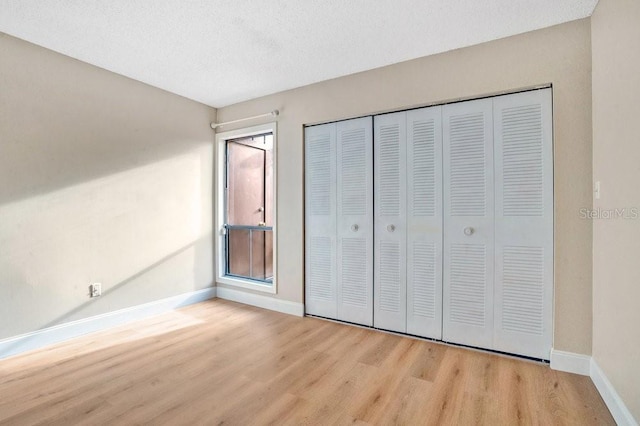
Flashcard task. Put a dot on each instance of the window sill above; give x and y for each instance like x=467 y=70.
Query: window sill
x=248 y=284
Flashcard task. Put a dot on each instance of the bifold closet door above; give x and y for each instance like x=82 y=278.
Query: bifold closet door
x=498 y=175
x=468 y=223
x=320 y=221
x=339 y=221
x=524 y=223
x=408 y=222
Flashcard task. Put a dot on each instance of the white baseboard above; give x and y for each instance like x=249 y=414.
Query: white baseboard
x=266 y=302
x=50 y=335
x=570 y=362
x=619 y=410
x=587 y=366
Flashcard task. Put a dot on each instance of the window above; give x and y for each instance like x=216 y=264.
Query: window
x=245 y=207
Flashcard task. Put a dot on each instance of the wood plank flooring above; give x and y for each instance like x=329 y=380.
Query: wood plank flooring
x=222 y=363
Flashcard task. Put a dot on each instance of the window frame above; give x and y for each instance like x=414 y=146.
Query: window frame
x=220 y=205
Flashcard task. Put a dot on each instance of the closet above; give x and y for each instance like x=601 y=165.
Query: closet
x=436 y=222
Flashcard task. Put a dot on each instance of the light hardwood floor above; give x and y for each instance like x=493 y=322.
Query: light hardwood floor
x=220 y=362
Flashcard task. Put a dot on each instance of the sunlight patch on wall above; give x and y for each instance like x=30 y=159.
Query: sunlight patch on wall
x=107 y=230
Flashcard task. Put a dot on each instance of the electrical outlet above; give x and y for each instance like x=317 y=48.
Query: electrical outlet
x=95 y=290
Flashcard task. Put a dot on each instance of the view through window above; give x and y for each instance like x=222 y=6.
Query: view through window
x=249 y=208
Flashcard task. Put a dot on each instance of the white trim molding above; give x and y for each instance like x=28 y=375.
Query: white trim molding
x=244 y=283
x=587 y=366
x=265 y=302
x=219 y=205
x=570 y=362
x=619 y=410
x=59 y=333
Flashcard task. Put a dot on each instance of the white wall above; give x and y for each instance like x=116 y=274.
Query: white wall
x=102 y=179
x=616 y=164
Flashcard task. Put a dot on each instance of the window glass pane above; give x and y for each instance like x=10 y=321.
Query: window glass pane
x=238 y=252
x=249 y=215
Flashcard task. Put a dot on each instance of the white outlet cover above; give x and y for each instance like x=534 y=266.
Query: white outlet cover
x=95 y=289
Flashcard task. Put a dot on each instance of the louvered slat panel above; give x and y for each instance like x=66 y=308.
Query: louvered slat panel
x=424 y=190
x=523 y=167
x=424 y=222
x=467 y=284
x=468 y=223
x=354 y=272
x=354 y=146
x=424 y=279
x=523 y=289
x=354 y=172
x=389 y=271
x=524 y=223
x=467 y=165
x=320 y=221
x=320 y=273
x=318 y=169
x=389 y=170
x=390 y=199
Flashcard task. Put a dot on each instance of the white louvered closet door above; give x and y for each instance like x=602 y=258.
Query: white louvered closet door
x=355 y=220
x=320 y=221
x=390 y=200
x=468 y=223
x=424 y=222
x=524 y=223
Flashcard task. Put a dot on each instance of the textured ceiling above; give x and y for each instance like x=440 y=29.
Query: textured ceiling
x=220 y=52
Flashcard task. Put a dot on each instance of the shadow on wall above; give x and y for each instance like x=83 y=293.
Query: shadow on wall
x=102 y=179
x=145 y=234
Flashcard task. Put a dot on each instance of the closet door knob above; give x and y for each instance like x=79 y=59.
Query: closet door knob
x=468 y=231
x=391 y=228
x=355 y=227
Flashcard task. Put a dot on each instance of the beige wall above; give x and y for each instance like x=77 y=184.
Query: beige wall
x=560 y=55
x=103 y=179
x=616 y=164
